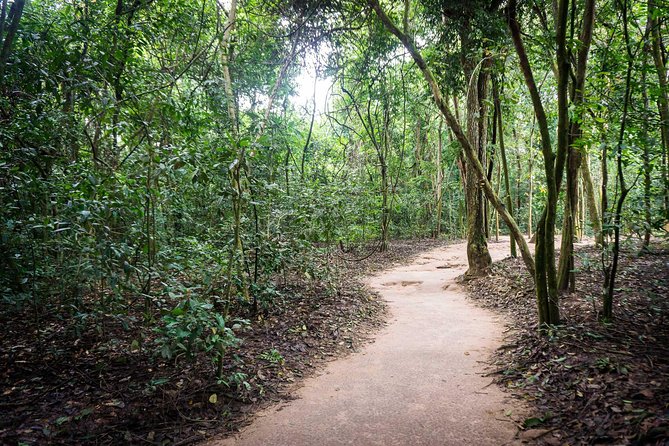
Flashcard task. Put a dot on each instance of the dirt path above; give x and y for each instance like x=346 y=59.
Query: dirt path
x=419 y=383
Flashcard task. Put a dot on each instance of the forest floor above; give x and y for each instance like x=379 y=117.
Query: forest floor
x=95 y=378
x=588 y=382
x=421 y=382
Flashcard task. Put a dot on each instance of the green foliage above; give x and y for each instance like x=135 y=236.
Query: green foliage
x=118 y=149
x=193 y=327
x=272 y=356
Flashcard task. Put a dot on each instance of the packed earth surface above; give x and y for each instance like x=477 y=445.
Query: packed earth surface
x=422 y=382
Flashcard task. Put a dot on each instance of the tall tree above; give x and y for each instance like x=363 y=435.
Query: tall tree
x=469 y=150
x=567 y=277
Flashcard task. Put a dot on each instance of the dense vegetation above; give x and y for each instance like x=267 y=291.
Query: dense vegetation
x=164 y=163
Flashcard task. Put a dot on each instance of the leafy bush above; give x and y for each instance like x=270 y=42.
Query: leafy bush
x=194 y=327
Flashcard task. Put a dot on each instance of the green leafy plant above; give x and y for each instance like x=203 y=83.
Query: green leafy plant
x=273 y=356
x=193 y=327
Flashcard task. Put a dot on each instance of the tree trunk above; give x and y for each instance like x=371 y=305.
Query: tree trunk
x=546 y=272
x=566 y=274
x=611 y=269
x=14 y=18
x=385 y=212
x=591 y=200
x=438 y=187
x=647 y=168
x=226 y=59
x=478 y=256
x=502 y=152
x=418 y=150
x=499 y=183
x=384 y=147
x=531 y=181
x=663 y=100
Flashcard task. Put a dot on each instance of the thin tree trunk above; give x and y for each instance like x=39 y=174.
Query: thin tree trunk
x=591 y=200
x=499 y=184
x=14 y=17
x=566 y=274
x=236 y=256
x=531 y=181
x=611 y=269
x=381 y=145
x=383 y=157
x=647 y=168
x=439 y=181
x=226 y=59
x=305 y=148
x=418 y=151
x=502 y=152
x=663 y=100
x=239 y=166
x=581 y=212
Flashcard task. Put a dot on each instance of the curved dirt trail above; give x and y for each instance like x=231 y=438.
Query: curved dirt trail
x=419 y=383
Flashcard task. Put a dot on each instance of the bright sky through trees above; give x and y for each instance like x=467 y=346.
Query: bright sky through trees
x=306 y=82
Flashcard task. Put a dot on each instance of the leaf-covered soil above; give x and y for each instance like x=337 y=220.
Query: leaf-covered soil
x=102 y=382
x=588 y=382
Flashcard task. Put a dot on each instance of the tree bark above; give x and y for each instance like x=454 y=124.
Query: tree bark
x=566 y=274
x=663 y=100
x=502 y=152
x=591 y=199
x=546 y=273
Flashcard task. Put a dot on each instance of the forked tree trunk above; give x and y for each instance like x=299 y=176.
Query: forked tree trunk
x=546 y=272
x=566 y=274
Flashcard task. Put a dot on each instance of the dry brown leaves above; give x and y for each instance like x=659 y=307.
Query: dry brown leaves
x=58 y=386
x=588 y=382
